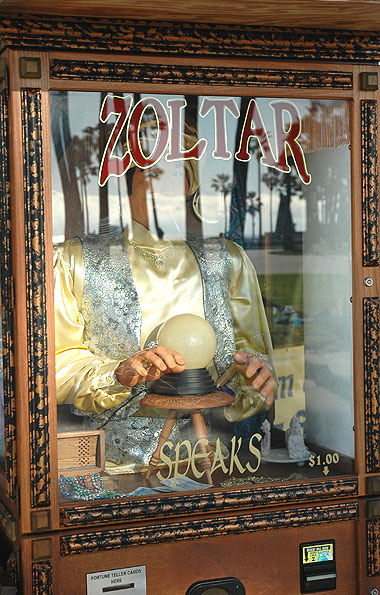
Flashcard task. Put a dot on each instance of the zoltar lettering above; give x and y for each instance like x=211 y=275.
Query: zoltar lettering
x=193 y=455
x=169 y=121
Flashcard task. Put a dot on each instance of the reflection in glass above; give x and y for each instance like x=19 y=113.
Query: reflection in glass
x=172 y=196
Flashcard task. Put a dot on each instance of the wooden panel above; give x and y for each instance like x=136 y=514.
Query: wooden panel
x=339 y=14
x=266 y=561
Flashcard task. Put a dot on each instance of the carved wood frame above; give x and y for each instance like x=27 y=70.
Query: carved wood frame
x=106 y=539
x=35 y=218
x=179 y=39
x=36 y=291
x=174 y=40
x=6 y=284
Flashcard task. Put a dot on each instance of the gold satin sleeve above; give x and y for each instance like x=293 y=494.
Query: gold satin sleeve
x=82 y=379
x=251 y=329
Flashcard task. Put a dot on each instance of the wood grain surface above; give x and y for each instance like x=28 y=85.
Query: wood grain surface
x=331 y=14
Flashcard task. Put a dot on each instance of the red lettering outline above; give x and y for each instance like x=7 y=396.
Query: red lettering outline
x=111 y=164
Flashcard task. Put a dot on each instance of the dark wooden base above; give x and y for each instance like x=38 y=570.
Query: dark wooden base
x=264 y=561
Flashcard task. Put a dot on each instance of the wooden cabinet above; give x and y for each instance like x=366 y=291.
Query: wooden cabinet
x=282 y=162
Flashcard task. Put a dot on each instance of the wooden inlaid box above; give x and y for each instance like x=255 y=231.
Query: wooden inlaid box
x=81 y=452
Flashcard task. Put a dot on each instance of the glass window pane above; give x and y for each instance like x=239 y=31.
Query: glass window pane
x=217 y=228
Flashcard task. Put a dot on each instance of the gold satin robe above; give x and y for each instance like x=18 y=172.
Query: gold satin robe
x=87 y=381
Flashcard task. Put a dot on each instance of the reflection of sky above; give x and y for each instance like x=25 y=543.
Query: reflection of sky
x=84 y=110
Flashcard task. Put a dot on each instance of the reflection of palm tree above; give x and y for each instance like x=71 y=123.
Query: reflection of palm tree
x=82 y=153
x=220 y=184
x=193 y=222
x=238 y=203
x=96 y=138
x=63 y=146
x=92 y=145
x=271 y=179
x=150 y=130
x=255 y=150
x=288 y=185
x=252 y=209
x=104 y=131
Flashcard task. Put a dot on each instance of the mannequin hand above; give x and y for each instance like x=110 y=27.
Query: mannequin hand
x=149 y=364
x=257 y=374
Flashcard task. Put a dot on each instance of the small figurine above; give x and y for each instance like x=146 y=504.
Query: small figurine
x=265 y=442
x=295 y=441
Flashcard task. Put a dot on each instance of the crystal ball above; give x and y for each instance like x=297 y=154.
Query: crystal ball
x=191 y=336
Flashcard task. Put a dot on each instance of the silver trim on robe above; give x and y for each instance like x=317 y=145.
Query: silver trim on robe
x=215 y=264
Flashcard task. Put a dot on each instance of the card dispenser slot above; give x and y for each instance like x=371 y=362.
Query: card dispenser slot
x=321 y=577
x=118 y=588
x=317 y=566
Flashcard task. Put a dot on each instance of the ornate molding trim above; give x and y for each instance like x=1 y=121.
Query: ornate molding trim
x=196 y=529
x=6 y=284
x=99 y=513
x=373 y=547
x=371 y=308
x=35 y=275
x=370 y=182
x=42 y=578
x=156 y=38
x=91 y=70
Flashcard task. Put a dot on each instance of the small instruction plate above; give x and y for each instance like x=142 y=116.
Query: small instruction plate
x=121 y=581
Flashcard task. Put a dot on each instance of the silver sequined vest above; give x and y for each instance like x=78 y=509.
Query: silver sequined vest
x=111 y=308
x=112 y=315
